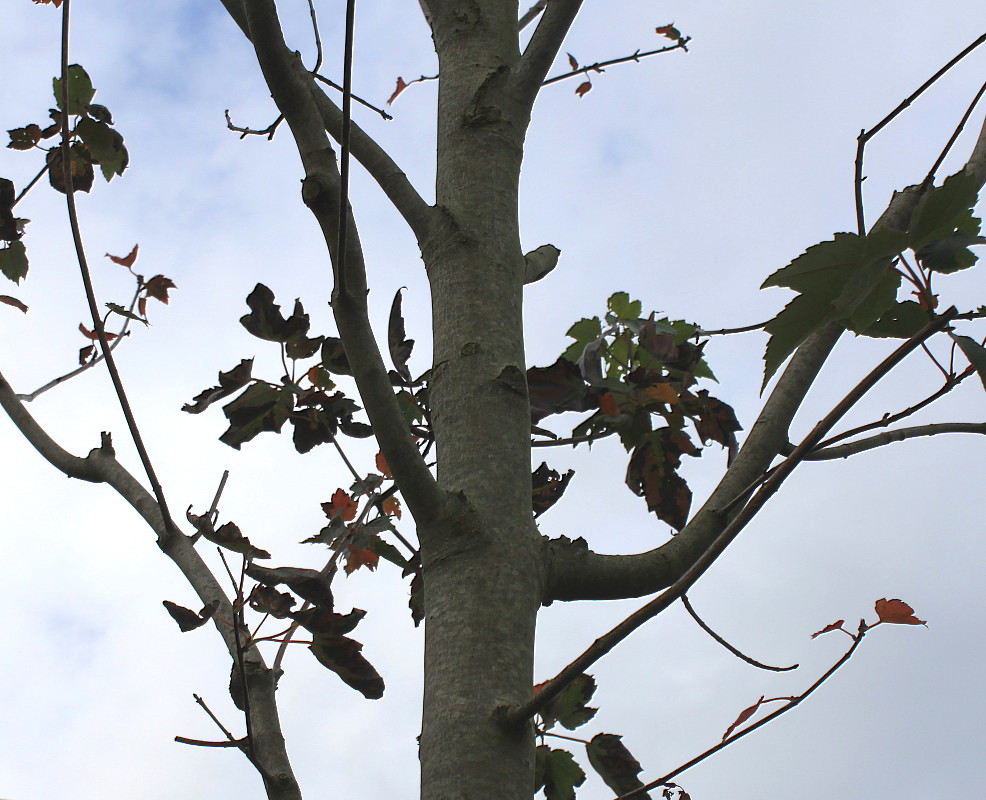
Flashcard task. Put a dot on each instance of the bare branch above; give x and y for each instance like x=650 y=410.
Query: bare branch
x=531 y=14
x=899 y=435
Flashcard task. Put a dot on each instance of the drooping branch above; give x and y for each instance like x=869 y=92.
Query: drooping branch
x=292 y=89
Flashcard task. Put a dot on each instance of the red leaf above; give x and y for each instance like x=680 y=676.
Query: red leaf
x=744 y=715
x=572 y=61
x=13 y=301
x=582 y=88
x=608 y=405
x=157 y=287
x=401 y=86
x=341 y=504
x=897 y=612
x=381 y=463
x=357 y=557
x=670 y=31
x=125 y=261
x=55 y=3
x=92 y=334
x=832 y=626
x=142 y=306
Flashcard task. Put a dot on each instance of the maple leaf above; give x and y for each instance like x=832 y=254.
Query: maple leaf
x=401 y=86
x=127 y=260
x=357 y=557
x=583 y=88
x=55 y=3
x=547 y=487
x=158 y=286
x=342 y=505
x=392 y=507
x=897 y=612
x=187 y=619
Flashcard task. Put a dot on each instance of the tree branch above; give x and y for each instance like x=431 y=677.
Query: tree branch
x=544 y=46
x=889 y=437
x=291 y=87
x=101 y=466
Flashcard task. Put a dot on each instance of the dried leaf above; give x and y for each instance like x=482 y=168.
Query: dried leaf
x=744 y=715
x=187 y=619
x=582 y=89
x=341 y=506
x=897 y=612
x=342 y=655
x=615 y=764
x=12 y=301
x=158 y=286
x=832 y=626
x=401 y=86
x=547 y=487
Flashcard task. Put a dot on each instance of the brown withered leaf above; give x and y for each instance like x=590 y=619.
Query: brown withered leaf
x=6 y=299
x=559 y=388
x=832 y=626
x=717 y=421
x=229 y=382
x=651 y=474
x=342 y=655
x=744 y=715
x=397 y=342
x=401 y=86
x=615 y=764
x=93 y=336
x=309 y=584
x=127 y=260
x=897 y=612
x=547 y=487
x=324 y=620
x=268 y=600
x=158 y=286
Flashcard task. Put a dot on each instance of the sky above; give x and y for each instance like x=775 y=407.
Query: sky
x=685 y=179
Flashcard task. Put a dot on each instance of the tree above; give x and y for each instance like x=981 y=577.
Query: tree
x=476 y=271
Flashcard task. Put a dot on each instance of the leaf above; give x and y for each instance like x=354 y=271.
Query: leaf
x=832 y=626
x=105 y=146
x=744 y=715
x=609 y=405
x=717 y=421
x=343 y=657
x=623 y=307
x=187 y=619
x=940 y=208
x=951 y=253
x=308 y=584
x=265 y=320
x=157 y=287
x=6 y=299
x=13 y=261
x=392 y=507
x=401 y=86
x=547 y=487
x=901 y=321
x=651 y=474
x=570 y=706
x=975 y=352
x=341 y=506
x=557 y=772
x=127 y=260
x=116 y=308
x=670 y=31
x=229 y=382
x=80 y=165
x=260 y=408
x=572 y=62
x=93 y=336
x=323 y=620
x=381 y=463
x=897 y=612
x=24 y=138
x=227 y=536
x=334 y=356
x=357 y=557
x=581 y=90
x=79 y=90
x=615 y=764
x=558 y=388
x=10 y=230
x=400 y=347
x=268 y=600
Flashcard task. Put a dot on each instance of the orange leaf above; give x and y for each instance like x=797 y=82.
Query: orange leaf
x=13 y=301
x=608 y=405
x=157 y=287
x=125 y=261
x=93 y=336
x=392 y=507
x=670 y=31
x=832 y=626
x=897 y=612
x=341 y=504
x=662 y=393
x=582 y=88
x=401 y=86
x=55 y=3
x=382 y=465
x=357 y=557
x=744 y=715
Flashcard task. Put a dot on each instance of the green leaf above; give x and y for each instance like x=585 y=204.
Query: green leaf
x=822 y=266
x=260 y=408
x=624 y=308
x=80 y=91
x=569 y=707
x=13 y=261
x=116 y=308
x=615 y=764
x=105 y=145
x=951 y=253
x=24 y=138
x=941 y=209
x=975 y=352
x=901 y=321
x=557 y=772
x=789 y=329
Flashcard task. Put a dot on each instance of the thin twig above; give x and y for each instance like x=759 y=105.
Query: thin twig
x=269 y=131
x=930 y=178
x=531 y=14
x=214 y=718
x=318 y=37
x=599 y=66
x=340 y=288
x=701 y=623
x=30 y=184
x=866 y=135
x=727 y=331
x=356 y=97
x=97 y=322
